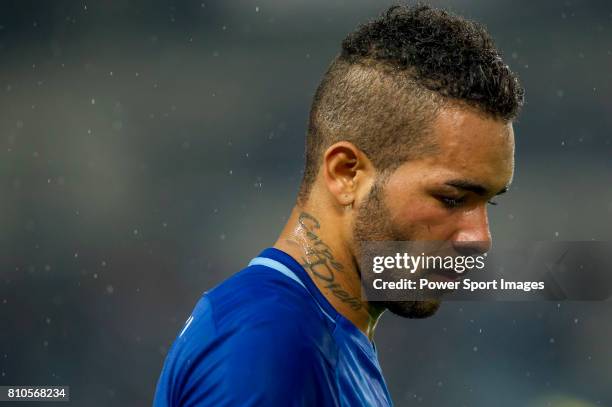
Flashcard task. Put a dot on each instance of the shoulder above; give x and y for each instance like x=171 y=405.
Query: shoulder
x=254 y=334
x=264 y=315
x=261 y=297
x=256 y=302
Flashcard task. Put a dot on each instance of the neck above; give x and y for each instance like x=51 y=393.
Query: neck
x=313 y=241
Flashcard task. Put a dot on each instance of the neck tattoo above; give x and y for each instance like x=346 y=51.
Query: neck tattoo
x=319 y=261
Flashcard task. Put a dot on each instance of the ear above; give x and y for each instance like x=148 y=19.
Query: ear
x=346 y=170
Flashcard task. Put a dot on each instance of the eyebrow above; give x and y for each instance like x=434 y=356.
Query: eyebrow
x=473 y=187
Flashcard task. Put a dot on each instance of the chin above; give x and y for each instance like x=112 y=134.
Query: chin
x=413 y=309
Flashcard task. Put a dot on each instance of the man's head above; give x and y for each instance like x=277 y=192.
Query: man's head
x=412 y=128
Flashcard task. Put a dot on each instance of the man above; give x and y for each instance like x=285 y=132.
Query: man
x=410 y=136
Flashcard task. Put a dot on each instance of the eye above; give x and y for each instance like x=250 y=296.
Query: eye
x=451 y=202
x=492 y=203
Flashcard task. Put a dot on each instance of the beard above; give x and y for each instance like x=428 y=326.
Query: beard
x=373 y=222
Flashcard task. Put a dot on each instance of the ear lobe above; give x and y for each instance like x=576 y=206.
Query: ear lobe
x=343 y=163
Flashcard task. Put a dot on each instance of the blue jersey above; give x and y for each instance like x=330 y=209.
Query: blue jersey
x=268 y=337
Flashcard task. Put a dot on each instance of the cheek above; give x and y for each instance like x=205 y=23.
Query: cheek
x=423 y=218
x=413 y=212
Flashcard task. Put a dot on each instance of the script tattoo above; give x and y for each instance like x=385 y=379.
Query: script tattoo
x=320 y=261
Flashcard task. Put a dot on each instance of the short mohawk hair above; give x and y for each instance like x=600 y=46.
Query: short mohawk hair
x=447 y=54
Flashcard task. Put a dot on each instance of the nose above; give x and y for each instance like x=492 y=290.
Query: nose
x=473 y=236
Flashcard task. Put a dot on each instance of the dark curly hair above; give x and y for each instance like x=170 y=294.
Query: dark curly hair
x=392 y=77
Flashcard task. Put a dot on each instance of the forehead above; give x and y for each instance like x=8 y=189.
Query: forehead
x=470 y=146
